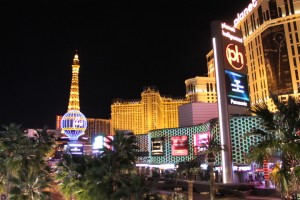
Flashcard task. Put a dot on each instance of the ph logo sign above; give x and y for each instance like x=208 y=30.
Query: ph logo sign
x=235 y=57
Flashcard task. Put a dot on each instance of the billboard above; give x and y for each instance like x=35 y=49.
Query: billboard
x=157 y=146
x=179 y=145
x=232 y=87
x=277 y=60
x=200 y=142
x=230 y=60
x=100 y=141
x=237 y=89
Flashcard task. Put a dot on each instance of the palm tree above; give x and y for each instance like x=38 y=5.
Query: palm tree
x=25 y=172
x=99 y=177
x=279 y=138
x=211 y=149
x=70 y=175
x=133 y=187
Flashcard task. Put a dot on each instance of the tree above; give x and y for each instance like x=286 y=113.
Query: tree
x=134 y=187
x=71 y=175
x=25 y=171
x=103 y=175
x=279 y=137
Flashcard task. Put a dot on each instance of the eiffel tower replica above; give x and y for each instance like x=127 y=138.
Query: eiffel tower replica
x=74 y=123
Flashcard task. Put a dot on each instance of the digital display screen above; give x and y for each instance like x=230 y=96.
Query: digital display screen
x=179 y=145
x=101 y=141
x=200 y=142
x=157 y=147
x=237 y=89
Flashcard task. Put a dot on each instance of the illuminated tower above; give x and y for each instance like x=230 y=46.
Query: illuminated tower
x=74 y=93
x=74 y=123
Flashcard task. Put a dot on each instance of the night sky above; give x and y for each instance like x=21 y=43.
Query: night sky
x=122 y=47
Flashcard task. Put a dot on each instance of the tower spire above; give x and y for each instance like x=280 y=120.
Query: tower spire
x=74 y=92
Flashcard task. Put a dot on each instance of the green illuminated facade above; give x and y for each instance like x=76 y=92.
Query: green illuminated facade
x=241 y=144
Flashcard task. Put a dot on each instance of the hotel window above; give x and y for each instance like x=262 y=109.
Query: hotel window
x=286 y=8
x=297 y=37
x=252 y=21
x=267 y=16
x=292 y=7
x=280 y=12
x=291 y=39
x=289 y=27
x=293 y=50
x=273 y=9
x=260 y=15
x=297 y=76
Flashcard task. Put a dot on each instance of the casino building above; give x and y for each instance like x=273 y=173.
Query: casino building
x=271 y=37
x=152 y=111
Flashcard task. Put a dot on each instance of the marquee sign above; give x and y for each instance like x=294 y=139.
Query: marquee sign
x=232 y=85
x=240 y=16
x=233 y=48
x=232 y=64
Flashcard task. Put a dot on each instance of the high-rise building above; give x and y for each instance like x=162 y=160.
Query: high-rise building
x=151 y=112
x=271 y=37
x=201 y=89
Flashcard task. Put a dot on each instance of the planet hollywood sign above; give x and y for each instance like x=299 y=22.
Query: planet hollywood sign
x=246 y=11
x=234 y=54
x=233 y=61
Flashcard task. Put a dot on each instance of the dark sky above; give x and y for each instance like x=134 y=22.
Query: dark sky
x=122 y=47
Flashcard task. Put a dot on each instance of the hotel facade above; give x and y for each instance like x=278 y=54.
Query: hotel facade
x=151 y=112
x=271 y=37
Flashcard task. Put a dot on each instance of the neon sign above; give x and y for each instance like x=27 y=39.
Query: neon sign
x=233 y=48
x=246 y=11
x=234 y=57
x=231 y=33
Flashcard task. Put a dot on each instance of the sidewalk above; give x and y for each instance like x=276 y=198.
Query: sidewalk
x=202 y=188
x=207 y=197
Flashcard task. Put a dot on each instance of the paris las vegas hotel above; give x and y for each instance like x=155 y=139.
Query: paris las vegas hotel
x=270 y=30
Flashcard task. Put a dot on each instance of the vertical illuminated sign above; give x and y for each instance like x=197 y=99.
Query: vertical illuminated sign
x=232 y=85
x=234 y=64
